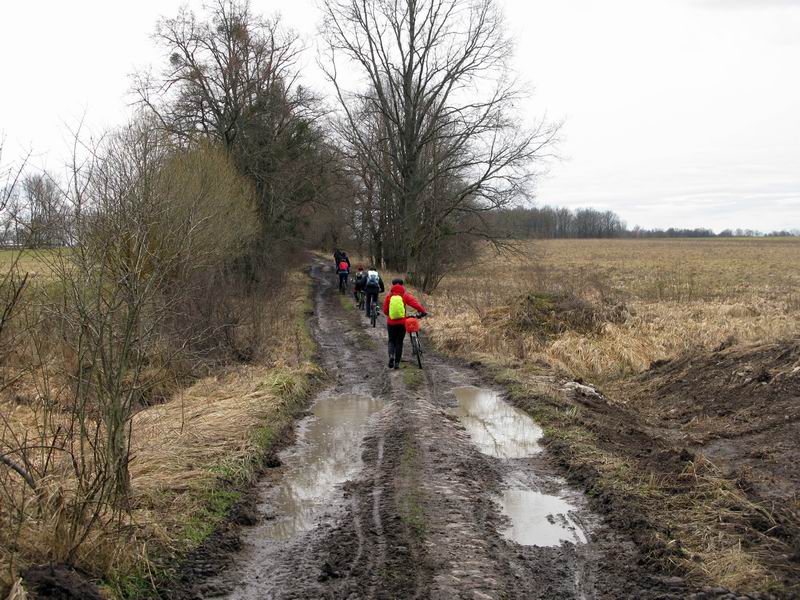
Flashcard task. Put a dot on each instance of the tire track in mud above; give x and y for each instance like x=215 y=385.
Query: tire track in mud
x=377 y=521
x=419 y=516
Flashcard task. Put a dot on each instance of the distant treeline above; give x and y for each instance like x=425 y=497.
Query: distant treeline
x=549 y=222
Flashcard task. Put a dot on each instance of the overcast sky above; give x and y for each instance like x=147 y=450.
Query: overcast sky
x=677 y=112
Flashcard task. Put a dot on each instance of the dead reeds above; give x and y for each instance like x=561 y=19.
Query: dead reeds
x=634 y=302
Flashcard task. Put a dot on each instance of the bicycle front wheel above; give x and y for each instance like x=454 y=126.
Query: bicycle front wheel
x=417 y=348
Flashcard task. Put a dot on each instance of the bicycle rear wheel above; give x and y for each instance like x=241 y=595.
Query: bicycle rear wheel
x=373 y=313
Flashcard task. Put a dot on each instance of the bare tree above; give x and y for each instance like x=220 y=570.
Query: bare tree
x=232 y=76
x=442 y=97
x=154 y=225
x=10 y=177
x=44 y=215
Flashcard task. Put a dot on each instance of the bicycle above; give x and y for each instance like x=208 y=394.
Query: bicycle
x=360 y=299
x=412 y=328
x=373 y=311
x=343 y=285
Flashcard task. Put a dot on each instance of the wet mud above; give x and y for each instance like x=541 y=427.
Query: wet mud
x=326 y=454
x=59 y=582
x=437 y=490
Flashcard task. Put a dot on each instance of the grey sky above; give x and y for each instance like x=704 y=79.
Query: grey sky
x=678 y=112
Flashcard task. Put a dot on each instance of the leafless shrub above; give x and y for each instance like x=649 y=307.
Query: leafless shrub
x=547 y=315
x=153 y=226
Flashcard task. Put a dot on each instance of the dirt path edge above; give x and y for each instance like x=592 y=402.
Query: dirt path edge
x=657 y=557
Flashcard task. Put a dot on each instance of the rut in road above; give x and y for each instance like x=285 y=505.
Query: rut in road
x=434 y=490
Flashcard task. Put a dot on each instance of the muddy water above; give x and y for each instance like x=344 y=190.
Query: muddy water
x=327 y=454
x=496 y=427
x=506 y=432
x=539 y=519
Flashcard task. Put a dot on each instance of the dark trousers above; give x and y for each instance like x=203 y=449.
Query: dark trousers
x=397 y=333
x=368 y=298
x=343 y=279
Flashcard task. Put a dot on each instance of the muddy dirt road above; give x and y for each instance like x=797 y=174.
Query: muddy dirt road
x=409 y=484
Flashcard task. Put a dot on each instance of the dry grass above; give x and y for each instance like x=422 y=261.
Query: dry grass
x=34 y=262
x=678 y=295
x=206 y=430
x=719 y=554
x=652 y=300
x=189 y=454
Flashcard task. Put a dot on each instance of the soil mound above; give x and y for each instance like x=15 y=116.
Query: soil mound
x=732 y=391
x=552 y=314
x=739 y=406
x=59 y=582
x=709 y=463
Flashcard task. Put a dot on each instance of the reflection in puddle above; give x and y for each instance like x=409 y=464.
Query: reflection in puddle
x=496 y=427
x=539 y=519
x=503 y=431
x=327 y=454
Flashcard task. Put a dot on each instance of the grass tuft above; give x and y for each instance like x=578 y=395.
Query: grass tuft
x=412 y=376
x=409 y=502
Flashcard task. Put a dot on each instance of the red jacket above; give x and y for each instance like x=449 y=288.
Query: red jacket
x=408 y=299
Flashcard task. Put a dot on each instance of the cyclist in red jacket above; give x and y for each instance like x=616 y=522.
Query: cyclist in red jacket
x=394 y=307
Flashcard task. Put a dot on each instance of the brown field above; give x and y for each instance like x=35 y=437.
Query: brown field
x=692 y=449
x=33 y=262
x=648 y=300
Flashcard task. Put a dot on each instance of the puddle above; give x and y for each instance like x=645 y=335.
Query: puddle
x=539 y=519
x=327 y=453
x=504 y=431
x=496 y=427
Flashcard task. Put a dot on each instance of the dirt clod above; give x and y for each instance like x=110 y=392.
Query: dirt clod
x=59 y=582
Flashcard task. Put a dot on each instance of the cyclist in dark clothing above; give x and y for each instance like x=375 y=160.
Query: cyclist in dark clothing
x=359 y=281
x=373 y=286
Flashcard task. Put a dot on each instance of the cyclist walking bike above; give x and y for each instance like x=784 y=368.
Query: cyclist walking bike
x=394 y=307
